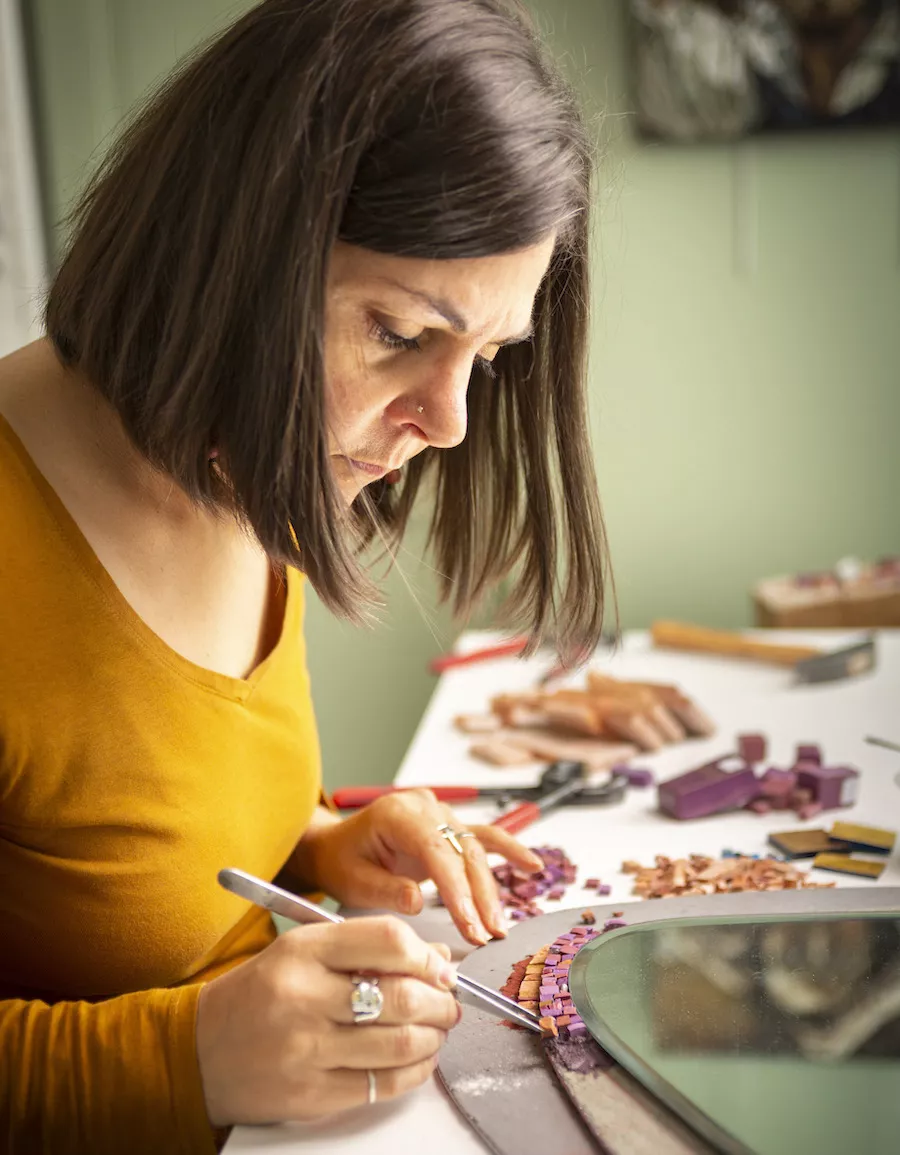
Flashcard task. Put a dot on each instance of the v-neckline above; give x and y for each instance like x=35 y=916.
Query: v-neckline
x=225 y=685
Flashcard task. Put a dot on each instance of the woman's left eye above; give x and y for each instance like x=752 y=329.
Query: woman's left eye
x=393 y=340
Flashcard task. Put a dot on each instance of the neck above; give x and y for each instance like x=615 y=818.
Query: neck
x=60 y=409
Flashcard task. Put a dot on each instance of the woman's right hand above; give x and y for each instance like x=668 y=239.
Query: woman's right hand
x=276 y=1039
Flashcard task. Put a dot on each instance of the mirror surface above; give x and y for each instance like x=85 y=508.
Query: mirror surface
x=777 y=1036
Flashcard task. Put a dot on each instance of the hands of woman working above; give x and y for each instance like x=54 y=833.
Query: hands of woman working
x=276 y=1039
x=378 y=856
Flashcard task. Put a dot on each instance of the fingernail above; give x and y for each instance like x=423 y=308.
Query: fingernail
x=447 y=976
x=473 y=922
x=497 y=922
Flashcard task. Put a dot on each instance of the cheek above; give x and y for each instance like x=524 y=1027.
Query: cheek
x=342 y=398
x=358 y=394
x=349 y=396
x=346 y=374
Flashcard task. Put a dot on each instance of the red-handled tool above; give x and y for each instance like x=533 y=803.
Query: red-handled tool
x=501 y=650
x=354 y=797
x=527 y=812
x=557 y=774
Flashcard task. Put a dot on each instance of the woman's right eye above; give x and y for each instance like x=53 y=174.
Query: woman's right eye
x=394 y=340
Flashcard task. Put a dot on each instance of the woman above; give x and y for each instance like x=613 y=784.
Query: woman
x=339 y=260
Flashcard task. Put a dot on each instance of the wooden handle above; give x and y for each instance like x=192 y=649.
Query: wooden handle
x=698 y=639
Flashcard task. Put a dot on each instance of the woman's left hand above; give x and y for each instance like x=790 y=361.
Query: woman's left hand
x=377 y=857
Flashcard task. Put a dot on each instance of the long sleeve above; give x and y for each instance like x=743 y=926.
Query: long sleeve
x=129 y=776
x=103 y=1078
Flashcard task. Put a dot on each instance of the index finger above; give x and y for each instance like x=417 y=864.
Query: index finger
x=384 y=945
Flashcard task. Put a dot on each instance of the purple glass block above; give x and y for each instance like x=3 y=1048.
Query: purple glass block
x=527 y=890
x=809 y=753
x=710 y=789
x=577 y=1030
x=752 y=747
x=604 y=889
x=777 y=783
x=832 y=786
x=760 y=805
x=614 y=923
x=634 y=775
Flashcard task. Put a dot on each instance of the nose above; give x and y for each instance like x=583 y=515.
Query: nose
x=442 y=397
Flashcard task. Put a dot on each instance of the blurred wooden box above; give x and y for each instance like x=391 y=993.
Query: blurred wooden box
x=787 y=603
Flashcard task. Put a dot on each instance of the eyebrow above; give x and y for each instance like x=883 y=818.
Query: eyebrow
x=452 y=316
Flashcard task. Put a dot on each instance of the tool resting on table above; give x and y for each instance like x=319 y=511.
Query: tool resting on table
x=593 y=789
x=808 y=663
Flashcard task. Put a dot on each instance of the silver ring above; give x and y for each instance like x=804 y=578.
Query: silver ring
x=446 y=831
x=366 y=999
x=461 y=834
x=373 y=1087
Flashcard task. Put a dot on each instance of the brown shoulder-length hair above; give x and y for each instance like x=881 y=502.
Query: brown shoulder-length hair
x=192 y=291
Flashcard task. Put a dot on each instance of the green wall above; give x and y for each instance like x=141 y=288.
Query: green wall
x=745 y=399
x=746 y=348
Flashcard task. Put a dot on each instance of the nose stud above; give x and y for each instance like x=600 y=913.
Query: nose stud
x=420 y=408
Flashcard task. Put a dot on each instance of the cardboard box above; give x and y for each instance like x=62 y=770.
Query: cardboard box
x=870 y=600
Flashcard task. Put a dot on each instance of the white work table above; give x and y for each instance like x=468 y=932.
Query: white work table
x=741 y=698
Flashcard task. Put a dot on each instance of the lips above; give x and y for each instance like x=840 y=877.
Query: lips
x=368 y=468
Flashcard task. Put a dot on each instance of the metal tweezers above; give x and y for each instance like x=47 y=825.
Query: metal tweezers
x=288 y=905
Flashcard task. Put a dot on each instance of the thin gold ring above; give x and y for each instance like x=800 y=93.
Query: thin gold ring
x=446 y=831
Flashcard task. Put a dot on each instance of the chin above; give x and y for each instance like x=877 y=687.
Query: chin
x=349 y=488
x=349 y=482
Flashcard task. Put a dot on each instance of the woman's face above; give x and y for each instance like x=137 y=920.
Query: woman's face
x=401 y=338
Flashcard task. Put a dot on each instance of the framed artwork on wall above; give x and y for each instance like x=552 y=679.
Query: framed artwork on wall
x=714 y=70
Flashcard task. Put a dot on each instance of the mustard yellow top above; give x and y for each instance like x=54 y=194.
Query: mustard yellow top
x=128 y=777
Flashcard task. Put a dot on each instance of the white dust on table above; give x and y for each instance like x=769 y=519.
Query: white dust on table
x=487 y=1084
